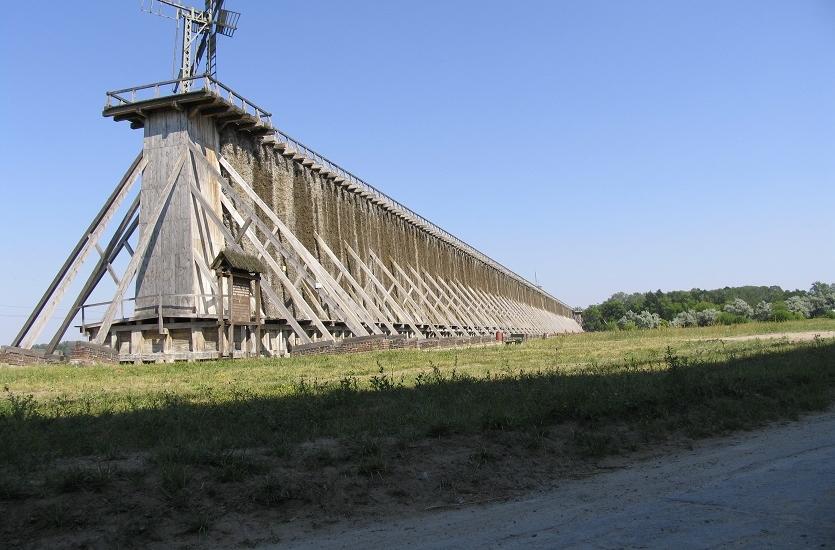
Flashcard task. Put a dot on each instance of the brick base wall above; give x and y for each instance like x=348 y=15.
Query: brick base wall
x=21 y=357
x=375 y=342
x=360 y=344
x=87 y=353
x=314 y=348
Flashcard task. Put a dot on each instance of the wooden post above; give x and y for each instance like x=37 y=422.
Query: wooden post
x=258 y=316
x=136 y=340
x=221 y=344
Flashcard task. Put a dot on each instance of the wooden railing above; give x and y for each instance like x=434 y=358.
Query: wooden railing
x=145 y=92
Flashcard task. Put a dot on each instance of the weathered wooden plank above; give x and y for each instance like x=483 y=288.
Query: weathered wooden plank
x=450 y=316
x=117 y=242
x=35 y=323
x=407 y=298
x=483 y=325
x=463 y=317
x=478 y=305
x=473 y=323
x=343 y=272
x=404 y=317
x=439 y=317
x=141 y=248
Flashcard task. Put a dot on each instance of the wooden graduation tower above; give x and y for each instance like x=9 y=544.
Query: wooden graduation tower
x=221 y=187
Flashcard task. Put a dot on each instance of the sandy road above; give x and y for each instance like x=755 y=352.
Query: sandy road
x=773 y=488
x=790 y=336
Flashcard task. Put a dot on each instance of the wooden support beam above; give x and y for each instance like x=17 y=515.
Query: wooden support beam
x=221 y=318
x=242 y=230
x=508 y=314
x=463 y=317
x=206 y=272
x=399 y=311
x=480 y=306
x=518 y=322
x=296 y=297
x=450 y=317
x=118 y=241
x=35 y=323
x=107 y=265
x=363 y=296
x=475 y=307
x=407 y=299
x=141 y=248
x=312 y=272
x=439 y=317
x=497 y=308
x=522 y=322
x=479 y=323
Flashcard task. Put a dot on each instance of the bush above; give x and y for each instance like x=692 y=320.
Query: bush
x=626 y=324
x=740 y=308
x=821 y=299
x=685 y=319
x=801 y=305
x=645 y=319
x=707 y=317
x=782 y=315
x=727 y=318
x=762 y=311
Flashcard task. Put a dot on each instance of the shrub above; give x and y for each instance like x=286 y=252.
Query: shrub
x=782 y=315
x=740 y=308
x=727 y=318
x=801 y=305
x=611 y=325
x=645 y=319
x=763 y=311
x=707 y=317
x=626 y=324
x=821 y=299
x=685 y=319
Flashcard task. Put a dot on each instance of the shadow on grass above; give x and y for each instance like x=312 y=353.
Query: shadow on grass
x=697 y=399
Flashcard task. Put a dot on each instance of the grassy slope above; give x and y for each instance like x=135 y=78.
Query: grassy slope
x=247 y=403
x=184 y=449
x=109 y=388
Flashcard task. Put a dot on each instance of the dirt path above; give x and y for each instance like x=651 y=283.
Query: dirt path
x=770 y=488
x=790 y=336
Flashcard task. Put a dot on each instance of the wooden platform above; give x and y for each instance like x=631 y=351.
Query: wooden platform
x=204 y=102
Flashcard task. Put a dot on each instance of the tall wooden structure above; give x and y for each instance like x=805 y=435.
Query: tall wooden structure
x=336 y=257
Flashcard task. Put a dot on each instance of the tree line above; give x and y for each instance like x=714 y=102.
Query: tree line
x=697 y=307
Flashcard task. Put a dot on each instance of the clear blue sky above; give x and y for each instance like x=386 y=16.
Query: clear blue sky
x=604 y=146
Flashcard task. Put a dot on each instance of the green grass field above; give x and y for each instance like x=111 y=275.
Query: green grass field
x=74 y=406
x=585 y=396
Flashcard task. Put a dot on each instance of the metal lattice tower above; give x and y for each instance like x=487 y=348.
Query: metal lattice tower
x=199 y=34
